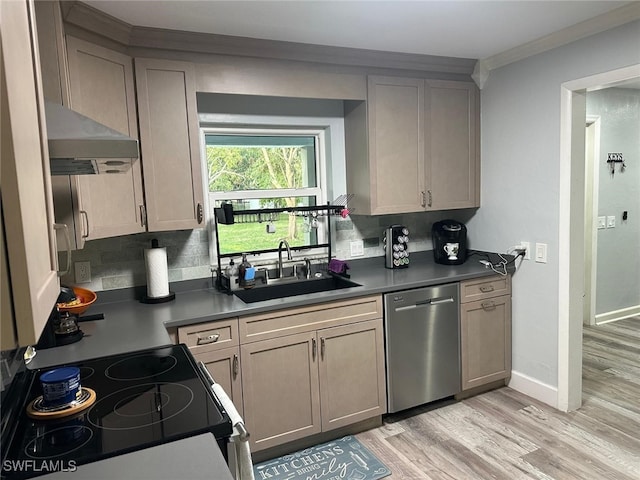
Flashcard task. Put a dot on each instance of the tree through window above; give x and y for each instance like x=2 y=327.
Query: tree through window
x=260 y=171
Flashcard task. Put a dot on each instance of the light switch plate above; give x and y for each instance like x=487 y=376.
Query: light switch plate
x=602 y=222
x=357 y=248
x=541 y=252
x=611 y=221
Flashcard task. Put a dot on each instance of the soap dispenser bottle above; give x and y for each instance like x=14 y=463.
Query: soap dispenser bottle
x=231 y=272
x=246 y=273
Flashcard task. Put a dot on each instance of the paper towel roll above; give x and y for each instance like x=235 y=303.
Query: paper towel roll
x=157 y=272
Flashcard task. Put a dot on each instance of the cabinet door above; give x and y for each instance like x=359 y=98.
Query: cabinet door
x=485 y=335
x=396 y=148
x=27 y=206
x=351 y=368
x=102 y=88
x=224 y=367
x=280 y=389
x=169 y=141
x=452 y=145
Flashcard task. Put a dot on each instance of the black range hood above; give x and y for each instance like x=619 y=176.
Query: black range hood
x=79 y=145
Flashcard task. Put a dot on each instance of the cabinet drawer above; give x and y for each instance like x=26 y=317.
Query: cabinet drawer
x=205 y=337
x=487 y=287
x=307 y=319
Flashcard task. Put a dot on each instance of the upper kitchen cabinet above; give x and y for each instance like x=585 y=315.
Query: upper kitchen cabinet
x=385 y=147
x=102 y=88
x=27 y=208
x=170 y=145
x=452 y=139
x=413 y=146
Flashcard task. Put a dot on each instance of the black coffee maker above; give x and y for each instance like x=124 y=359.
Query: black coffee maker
x=449 y=242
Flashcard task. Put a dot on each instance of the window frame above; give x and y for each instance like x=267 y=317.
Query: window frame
x=319 y=191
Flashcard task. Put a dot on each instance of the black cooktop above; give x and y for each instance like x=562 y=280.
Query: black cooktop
x=142 y=399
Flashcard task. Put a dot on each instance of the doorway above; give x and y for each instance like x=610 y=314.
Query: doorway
x=572 y=237
x=592 y=146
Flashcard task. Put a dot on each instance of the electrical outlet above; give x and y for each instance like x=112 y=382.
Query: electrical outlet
x=83 y=272
x=357 y=248
x=527 y=247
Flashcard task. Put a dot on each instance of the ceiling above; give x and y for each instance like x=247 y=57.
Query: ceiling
x=465 y=29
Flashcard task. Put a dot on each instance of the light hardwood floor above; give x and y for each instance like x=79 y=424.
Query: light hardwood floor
x=503 y=434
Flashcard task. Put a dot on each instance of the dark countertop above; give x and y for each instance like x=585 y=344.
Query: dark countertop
x=196 y=457
x=130 y=325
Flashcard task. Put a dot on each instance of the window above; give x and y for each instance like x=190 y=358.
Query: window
x=265 y=169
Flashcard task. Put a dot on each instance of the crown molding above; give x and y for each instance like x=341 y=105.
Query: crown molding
x=95 y=22
x=625 y=14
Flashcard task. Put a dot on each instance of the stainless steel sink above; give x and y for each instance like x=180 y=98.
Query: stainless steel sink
x=293 y=288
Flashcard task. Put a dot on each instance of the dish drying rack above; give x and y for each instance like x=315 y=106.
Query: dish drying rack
x=225 y=215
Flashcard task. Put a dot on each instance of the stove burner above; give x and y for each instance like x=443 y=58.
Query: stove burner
x=59 y=441
x=140 y=367
x=136 y=405
x=86 y=372
x=140 y=406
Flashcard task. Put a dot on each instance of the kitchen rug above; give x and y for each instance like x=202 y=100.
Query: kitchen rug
x=345 y=459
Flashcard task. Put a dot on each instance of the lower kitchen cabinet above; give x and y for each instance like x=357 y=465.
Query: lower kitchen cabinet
x=485 y=331
x=216 y=345
x=352 y=380
x=281 y=389
x=298 y=385
x=224 y=366
x=312 y=369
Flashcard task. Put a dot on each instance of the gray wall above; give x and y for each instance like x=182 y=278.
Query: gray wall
x=618 y=266
x=520 y=180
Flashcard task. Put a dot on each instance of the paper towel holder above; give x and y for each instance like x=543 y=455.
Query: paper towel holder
x=166 y=298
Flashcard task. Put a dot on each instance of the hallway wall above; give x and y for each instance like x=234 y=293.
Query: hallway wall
x=618 y=262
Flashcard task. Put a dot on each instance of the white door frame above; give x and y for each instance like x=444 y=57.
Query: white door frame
x=571 y=229
x=592 y=182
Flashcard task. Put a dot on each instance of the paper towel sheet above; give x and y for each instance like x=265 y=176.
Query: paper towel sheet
x=157 y=272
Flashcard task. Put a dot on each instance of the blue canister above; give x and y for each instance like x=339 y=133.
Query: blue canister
x=60 y=386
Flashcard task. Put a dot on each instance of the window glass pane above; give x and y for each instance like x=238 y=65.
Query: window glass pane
x=260 y=162
x=263 y=231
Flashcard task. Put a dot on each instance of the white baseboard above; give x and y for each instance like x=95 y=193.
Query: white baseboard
x=618 y=315
x=534 y=388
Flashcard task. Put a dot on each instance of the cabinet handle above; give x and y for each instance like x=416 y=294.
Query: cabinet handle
x=430 y=198
x=235 y=365
x=486 y=288
x=85 y=216
x=313 y=348
x=208 y=339
x=65 y=231
x=322 y=348
x=488 y=305
x=143 y=216
x=199 y=213
x=423 y=202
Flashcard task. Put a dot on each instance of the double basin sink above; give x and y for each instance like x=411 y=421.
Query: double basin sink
x=292 y=288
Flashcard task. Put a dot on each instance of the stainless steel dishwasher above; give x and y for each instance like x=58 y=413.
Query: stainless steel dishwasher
x=422 y=340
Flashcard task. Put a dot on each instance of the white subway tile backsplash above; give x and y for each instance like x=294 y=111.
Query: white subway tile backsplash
x=119 y=262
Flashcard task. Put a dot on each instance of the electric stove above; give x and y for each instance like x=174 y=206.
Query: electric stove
x=143 y=399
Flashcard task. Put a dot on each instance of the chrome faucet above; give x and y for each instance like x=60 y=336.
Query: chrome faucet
x=307 y=266
x=286 y=244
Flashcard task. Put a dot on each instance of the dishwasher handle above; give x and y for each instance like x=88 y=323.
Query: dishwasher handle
x=425 y=303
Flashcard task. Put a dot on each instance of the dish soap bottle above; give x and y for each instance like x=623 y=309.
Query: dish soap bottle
x=246 y=273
